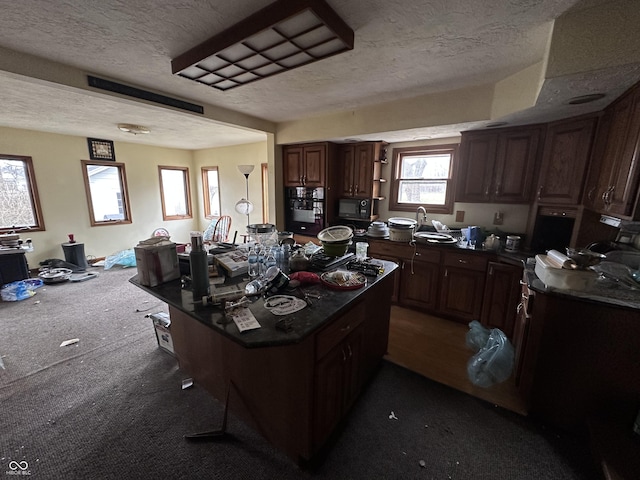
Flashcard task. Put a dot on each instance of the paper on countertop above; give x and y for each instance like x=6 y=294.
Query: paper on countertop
x=560 y=260
x=69 y=342
x=244 y=319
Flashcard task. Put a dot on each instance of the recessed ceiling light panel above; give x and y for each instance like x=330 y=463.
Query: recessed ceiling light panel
x=282 y=36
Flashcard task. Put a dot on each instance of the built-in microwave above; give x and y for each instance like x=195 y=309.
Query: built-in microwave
x=357 y=208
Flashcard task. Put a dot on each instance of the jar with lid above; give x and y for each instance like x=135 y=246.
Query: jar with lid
x=298 y=261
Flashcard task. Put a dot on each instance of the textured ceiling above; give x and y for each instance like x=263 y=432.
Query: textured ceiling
x=403 y=48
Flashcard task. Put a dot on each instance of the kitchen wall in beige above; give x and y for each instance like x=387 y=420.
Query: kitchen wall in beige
x=58 y=171
x=481 y=214
x=233 y=186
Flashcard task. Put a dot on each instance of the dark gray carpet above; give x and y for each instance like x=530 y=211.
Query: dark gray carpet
x=112 y=407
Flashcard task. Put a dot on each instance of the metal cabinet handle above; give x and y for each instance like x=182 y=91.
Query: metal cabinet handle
x=540 y=191
x=498 y=190
x=590 y=194
x=462 y=261
x=356 y=188
x=344 y=356
x=346 y=329
x=520 y=307
x=350 y=352
x=486 y=191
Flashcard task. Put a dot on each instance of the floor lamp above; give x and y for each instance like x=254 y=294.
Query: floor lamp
x=244 y=206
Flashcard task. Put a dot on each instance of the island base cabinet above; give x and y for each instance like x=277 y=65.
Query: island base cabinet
x=338 y=383
x=296 y=394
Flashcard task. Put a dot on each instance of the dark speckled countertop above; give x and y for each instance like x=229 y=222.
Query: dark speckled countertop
x=604 y=291
x=331 y=304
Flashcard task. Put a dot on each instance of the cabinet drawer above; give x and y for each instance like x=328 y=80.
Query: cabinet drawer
x=471 y=261
x=390 y=249
x=427 y=254
x=339 y=329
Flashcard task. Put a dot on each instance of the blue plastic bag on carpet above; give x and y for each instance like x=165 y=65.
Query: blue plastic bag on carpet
x=20 y=290
x=126 y=258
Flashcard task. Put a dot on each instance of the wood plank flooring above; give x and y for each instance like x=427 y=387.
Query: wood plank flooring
x=436 y=348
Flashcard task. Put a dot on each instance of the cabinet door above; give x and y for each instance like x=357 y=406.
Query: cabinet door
x=501 y=296
x=352 y=373
x=363 y=170
x=337 y=384
x=515 y=165
x=475 y=169
x=329 y=393
x=612 y=151
x=623 y=184
x=292 y=166
x=461 y=294
x=346 y=172
x=396 y=276
x=521 y=330
x=595 y=187
x=419 y=284
x=564 y=161
x=314 y=165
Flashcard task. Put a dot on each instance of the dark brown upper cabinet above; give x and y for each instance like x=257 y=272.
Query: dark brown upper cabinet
x=498 y=166
x=612 y=186
x=565 y=159
x=305 y=165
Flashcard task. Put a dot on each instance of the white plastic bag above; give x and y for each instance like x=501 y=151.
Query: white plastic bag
x=477 y=336
x=494 y=362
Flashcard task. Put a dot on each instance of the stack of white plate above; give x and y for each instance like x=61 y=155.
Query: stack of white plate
x=378 y=230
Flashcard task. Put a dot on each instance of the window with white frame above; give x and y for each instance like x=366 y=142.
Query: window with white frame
x=423 y=176
x=19 y=202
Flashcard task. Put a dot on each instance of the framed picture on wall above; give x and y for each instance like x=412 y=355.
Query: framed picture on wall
x=101 y=149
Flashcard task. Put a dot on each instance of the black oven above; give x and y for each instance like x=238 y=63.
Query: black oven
x=304 y=210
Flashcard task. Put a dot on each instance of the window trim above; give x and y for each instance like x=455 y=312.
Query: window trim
x=123 y=189
x=33 y=195
x=204 y=172
x=187 y=193
x=399 y=153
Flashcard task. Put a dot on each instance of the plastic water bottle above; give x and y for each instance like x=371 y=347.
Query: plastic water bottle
x=261 y=260
x=286 y=254
x=254 y=269
x=270 y=260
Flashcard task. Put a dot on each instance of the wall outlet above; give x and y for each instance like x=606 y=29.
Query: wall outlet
x=459 y=215
x=498 y=218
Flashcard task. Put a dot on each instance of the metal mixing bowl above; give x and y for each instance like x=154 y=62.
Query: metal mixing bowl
x=584 y=258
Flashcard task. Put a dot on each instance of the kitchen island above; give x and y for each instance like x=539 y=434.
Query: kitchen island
x=293 y=385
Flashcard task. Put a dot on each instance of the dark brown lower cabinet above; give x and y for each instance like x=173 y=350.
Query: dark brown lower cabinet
x=501 y=294
x=419 y=284
x=337 y=385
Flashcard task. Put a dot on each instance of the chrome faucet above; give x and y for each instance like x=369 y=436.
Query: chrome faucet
x=424 y=215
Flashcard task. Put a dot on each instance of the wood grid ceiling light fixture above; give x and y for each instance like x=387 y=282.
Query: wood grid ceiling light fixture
x=282 y=36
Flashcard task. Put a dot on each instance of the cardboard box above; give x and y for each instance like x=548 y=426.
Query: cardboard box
x=234 y=263
x=157 y=261
x=161 y=324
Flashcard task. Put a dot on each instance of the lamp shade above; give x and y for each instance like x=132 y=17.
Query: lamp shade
x=246 y=169
x=244 y=206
